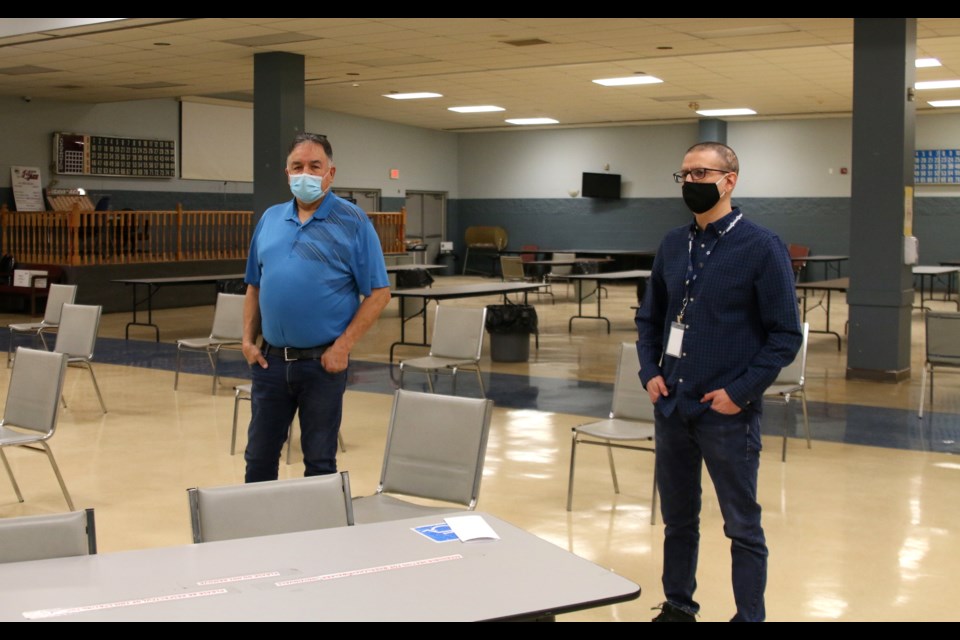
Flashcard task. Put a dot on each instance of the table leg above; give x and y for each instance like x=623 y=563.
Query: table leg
x=151 y=290
x=403 y=325
x=580 y=298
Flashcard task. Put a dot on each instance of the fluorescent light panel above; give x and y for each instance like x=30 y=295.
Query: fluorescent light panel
x=944 y=103
x=484 y=108
x=412 y=96
x=922 y=63
x=726 y=112
x=937 y=84
x=526 y=121
x=628 y=80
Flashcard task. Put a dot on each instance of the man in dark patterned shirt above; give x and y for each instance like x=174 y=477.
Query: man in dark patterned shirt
x=718 y=322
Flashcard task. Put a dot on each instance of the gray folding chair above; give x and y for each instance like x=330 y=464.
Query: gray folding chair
x=243 y=392
x=30 y=415
x=268 y=508
x=512 y=270
x=227 y=330
x=456 y=344
x=560 y=272
x=60 y=294
x=631 y=419
x=436 y=446
x=943 y=348
x=790 y=383
x=58 y=535
x=77 y=337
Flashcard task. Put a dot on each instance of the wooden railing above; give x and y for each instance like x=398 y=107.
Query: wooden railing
x=120 y=237
x=391 y=227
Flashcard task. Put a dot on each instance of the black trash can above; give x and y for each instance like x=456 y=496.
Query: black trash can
x=510 y=326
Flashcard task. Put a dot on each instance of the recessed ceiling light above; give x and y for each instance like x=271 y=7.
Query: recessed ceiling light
x=532 y=121
x=922 y=63
x=944 y=103
x=628 y=80
x=412 y=96
x=726 y=112
x=483 y=108
x=937 y=84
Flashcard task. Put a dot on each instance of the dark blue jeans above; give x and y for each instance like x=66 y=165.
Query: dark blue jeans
x=278 y=392
x=730 y=446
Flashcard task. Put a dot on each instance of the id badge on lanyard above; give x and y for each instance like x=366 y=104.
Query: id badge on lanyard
x=675 y=339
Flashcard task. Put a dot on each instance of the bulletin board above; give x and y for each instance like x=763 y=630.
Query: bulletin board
x=936 y=166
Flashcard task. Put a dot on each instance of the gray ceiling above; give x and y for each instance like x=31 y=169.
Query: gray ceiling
x=780 y=67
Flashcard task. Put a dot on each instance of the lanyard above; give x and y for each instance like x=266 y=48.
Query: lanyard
x=690 y=274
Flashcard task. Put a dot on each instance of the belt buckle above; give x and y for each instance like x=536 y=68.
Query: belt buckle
x=286 y=355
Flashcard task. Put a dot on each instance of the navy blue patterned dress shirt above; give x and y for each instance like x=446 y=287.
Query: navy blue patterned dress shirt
x=741 y=319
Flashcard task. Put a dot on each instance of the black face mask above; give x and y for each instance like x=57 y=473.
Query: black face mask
x=700 y=197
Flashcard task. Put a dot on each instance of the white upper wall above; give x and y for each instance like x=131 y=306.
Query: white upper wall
x=366 y=150
x=549 y=163
x=779 y=158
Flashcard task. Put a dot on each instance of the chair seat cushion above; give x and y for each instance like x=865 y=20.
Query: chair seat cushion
x=780 y=389
x=29 y=327
x=617 y=429
x=203 y=343
x=434 y=363
x=11 y=437
x=382 y=508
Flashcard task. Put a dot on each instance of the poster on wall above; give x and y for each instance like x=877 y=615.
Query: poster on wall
x=27 y=192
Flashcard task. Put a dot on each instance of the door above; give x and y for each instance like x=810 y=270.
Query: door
x=426 y=220
x=366 y=199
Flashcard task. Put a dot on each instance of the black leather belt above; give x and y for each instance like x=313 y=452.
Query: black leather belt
x=291 y=353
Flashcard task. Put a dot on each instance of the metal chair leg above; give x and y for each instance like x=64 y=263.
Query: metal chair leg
x=13 y=481
x=96 y=387
x=573 y=457
x=613 y=469
x=56 y=470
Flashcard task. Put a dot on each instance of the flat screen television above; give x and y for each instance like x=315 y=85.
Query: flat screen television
x=601 y=185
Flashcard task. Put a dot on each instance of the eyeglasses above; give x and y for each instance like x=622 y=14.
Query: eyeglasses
x=698 y=174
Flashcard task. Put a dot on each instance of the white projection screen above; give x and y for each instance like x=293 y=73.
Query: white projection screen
x=216 y=142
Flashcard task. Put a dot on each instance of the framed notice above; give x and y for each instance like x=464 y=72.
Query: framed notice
x=27 y=192
x=90 y=155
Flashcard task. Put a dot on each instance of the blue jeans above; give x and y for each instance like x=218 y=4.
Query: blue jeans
x=278 y=392
x=730 y=446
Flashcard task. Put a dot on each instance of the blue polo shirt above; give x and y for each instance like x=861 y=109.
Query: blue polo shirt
x=311 y=275
x=741 y=318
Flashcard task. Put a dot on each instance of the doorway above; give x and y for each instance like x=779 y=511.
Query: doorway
x=427 y=220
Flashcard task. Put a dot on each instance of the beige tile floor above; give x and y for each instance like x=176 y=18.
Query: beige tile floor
x=855 y=532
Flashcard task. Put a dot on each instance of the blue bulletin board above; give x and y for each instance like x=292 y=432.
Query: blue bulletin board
x=936 y=166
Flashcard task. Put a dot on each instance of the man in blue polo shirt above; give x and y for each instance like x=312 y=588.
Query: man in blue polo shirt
x=718 y=322
x=311 y=260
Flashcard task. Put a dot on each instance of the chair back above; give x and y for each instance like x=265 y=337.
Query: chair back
x=630 y=399
x=529 y=257
x=59 y=295
x=798 y=251
x=59 y=535
x=943 y=338
x=795 y=372
x=562 y=269
x=77 y=334
x=436 y=445
x=33 y=396
x=228 y=317
x=268 y=508
x=458 y=332
x=512 y=268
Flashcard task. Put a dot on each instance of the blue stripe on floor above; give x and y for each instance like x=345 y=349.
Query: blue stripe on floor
x=850 y=424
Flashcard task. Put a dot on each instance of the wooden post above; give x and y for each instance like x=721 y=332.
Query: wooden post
x=179 y=232
x=73 y=229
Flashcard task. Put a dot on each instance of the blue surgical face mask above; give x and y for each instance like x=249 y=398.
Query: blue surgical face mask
x=307 y=188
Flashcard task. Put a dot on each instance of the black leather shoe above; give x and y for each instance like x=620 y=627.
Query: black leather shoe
x=670 y=613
